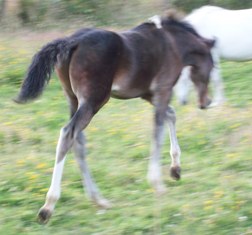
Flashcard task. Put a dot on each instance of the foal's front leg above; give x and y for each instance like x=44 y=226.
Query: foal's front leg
x=174 y=149
x=155 y=171
x=88 y=183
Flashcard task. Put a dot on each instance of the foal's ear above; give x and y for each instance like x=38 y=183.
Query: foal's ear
x=209 y=42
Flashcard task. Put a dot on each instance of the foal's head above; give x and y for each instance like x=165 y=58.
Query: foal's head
x=200 y=73
x=201 y=66
x=195 y=51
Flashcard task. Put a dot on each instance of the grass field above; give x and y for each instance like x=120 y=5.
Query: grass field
x=214 y=196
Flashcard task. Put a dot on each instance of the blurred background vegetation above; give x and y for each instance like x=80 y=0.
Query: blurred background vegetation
x=50 y=13
x=214 y=194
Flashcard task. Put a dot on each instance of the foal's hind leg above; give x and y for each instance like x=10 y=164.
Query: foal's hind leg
x=67 y=135
x=80 y=155
x=89 y=184
x=174 y=149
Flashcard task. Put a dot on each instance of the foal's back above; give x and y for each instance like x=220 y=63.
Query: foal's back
x=146 y=53
x=128 y=62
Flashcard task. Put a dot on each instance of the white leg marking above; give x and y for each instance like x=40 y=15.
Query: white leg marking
x=54 y=191
x=175 y=151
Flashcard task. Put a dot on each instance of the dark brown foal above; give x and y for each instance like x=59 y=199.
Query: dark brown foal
x=94 y=64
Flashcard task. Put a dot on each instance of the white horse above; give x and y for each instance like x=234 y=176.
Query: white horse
x=232 y=30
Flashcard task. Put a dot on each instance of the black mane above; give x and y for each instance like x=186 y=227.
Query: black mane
x=170 y=22
x=145 y=25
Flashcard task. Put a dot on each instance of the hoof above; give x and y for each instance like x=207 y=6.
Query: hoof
x=161 y=189
x=44 y=215
x=216 y=103
x=103 y=203
x=175 y=172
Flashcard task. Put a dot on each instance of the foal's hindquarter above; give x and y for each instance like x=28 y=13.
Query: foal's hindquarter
x=86 y=80
x=93 y=65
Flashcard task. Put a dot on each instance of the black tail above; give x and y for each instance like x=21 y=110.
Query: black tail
x=40 y=70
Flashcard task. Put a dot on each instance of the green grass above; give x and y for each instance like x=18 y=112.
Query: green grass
x=213 y=196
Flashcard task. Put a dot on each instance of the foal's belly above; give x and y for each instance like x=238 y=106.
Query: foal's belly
x=127 y=86
x=121 y=92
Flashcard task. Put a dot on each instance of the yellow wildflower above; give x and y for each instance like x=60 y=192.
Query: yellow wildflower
x=41 y=166
x=208 y=205
x=218 y=194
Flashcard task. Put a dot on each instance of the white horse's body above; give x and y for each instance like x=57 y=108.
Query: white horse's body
x=232 y=30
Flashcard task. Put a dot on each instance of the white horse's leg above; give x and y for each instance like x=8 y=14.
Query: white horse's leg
x=174 y=149
x=218 y=87
x=216 y=79
x=155 y=171
x=88 y=183
x=183 y=85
